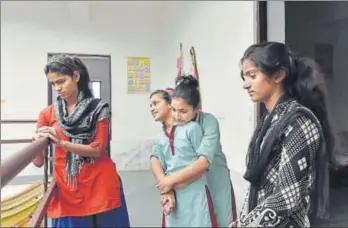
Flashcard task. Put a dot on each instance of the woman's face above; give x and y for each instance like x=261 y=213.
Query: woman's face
x=159 y=107
x=182 y=112
x=64 y=85
x=259 y=86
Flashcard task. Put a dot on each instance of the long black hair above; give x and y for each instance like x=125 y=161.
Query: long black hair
x=304 y=80
x=65 y=64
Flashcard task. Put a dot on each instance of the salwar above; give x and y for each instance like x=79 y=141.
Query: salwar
x=110 y=218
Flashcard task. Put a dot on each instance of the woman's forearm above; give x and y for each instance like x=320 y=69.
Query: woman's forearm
x=188 y=181
x=157 y=169
x=191 y=173
x=80 y=149
x=39 y=160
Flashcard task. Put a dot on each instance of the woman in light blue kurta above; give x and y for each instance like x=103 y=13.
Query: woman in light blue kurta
x=175 y=148
x=210 y=157
x=219 y=180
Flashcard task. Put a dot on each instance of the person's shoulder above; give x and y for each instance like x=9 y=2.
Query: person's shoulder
x=47 y=111
x=304 y=122
x=206 y=117
x=99 y=102
x=48 y=108
x=191 y=125
x=302 y=113
x=160 y=137
x=188 y=129
x=161 y=132
x=186 y=125
x=46 y=115
x=102 y=108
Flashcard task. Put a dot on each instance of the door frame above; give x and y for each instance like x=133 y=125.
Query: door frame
x=50 y=99
x=261 y=36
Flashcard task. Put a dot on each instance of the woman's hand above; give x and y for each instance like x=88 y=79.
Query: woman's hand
x=49 y=132
x=39 y=160
x=235 y=224
x=168 y=202
x=35 y=136
x=166 y=184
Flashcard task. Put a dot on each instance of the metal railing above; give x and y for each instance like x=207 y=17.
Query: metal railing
x=40 y=211
x=12 y=166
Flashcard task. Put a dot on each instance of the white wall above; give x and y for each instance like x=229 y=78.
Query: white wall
x=219 y=31
x=26 y=39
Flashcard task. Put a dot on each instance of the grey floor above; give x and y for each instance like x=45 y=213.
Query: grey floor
x=142 y=197
x=145 y=211
x=339 y=207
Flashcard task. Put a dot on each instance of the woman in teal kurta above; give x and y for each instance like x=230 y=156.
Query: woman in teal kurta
x=175 y=148
x=218 y=175
x=210 y=161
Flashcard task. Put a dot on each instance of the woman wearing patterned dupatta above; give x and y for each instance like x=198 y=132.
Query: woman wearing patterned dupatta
x=88 y=192
x=287 y=161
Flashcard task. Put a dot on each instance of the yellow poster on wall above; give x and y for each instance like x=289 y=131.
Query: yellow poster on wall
x=139 y=74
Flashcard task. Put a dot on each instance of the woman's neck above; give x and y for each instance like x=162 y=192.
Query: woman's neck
x=71 y=103
x=273 y=100
x=168 y=122
x=72 y=100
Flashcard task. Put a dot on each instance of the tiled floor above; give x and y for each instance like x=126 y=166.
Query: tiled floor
x=144 y=207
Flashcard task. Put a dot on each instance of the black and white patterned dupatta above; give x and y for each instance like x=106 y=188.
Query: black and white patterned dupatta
x=80 y=127
x=287 y=136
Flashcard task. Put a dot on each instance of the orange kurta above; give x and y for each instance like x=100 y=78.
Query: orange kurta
x=98 y=187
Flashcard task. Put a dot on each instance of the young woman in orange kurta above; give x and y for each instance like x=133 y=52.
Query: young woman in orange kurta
x=88 y=193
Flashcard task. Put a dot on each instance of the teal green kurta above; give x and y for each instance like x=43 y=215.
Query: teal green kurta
x=218 y=176
x=176 y=151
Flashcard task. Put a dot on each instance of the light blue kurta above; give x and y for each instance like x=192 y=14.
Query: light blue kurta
x=192 y=207
x=218 y=176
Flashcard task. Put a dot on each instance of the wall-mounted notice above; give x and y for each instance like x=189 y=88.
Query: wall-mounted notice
x=139 y=75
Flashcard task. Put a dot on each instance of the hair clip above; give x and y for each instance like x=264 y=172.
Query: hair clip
x=170 y=91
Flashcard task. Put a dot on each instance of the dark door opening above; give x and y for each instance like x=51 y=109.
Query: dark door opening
x=261 y=36
x=320 y=30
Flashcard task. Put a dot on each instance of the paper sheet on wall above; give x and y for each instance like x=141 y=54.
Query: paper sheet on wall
x=139 y=75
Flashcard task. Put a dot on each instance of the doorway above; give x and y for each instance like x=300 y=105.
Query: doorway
x=320 y=30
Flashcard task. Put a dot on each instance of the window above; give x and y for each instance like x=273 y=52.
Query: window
x=95 y=86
